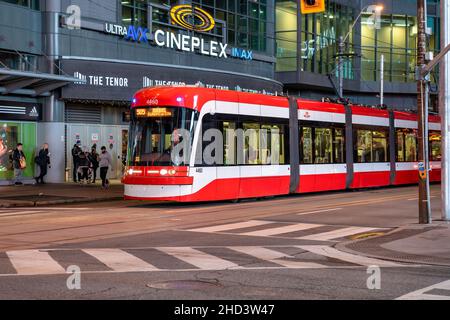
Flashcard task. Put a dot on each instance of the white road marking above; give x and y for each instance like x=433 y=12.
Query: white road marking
x=318 y=211
x=231 y=226
x=33 y=262
x=119 y=260
x=416 y=199
x=423 y=295
x=198 y=258
x=19 y=213
x=330 y=235
x=281 y=230
x=275 y=257
x=348 y=257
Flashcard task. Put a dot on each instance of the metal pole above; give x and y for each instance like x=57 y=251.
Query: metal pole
x=341 y=66
x=426 y=150
x=444 y=110
x=382 y=80
x=423 y=166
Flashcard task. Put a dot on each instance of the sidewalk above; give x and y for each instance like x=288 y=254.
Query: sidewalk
x=418 y=244
x=52 y=194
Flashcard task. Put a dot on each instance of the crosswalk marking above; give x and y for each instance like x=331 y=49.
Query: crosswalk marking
x=281 y=230
x=231 y=226
x=43 y=262
x=275 y=257
x=198 y=258
x=423 y=294
x=318 y=211
x=340 y=233
x=345 y=256
x=119 y=260
x=32 y=262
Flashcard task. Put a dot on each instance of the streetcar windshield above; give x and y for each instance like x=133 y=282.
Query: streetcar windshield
x=155 y=131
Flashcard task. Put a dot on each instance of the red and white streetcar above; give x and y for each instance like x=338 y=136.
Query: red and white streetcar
x=319 y=146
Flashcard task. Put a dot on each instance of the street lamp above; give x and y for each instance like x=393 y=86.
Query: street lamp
x=376 y=9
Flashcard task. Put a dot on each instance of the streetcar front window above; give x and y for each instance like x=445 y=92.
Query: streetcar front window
x=154 y=132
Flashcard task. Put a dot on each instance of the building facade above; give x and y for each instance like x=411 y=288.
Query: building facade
x=99 y=53
x=307 y=50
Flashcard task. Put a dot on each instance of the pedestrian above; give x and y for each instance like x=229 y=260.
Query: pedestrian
x=3 y=155
x=105 y=163
x=19 y=164
x=43 y=161
x=83 y=167
x=94 y=159
x=75 y=157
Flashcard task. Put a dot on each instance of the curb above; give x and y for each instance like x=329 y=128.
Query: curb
x=18 y=204
x=426 y=260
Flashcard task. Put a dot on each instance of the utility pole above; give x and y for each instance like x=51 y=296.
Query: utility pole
x=423 y=166
x=341 y=66
x=444 y=106
x=382 y=80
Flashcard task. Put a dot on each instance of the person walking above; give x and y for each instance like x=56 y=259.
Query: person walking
x=105 y=163
x=19 y=164
x=76 y=150
x=94 y=159
x=43 y=161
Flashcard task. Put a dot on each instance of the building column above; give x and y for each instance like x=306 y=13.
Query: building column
x=52 y=129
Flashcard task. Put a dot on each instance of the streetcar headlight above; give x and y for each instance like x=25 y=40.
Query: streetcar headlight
x=172 y=172
x=163 y=172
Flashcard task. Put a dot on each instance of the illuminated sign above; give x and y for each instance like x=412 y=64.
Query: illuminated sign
x=153 y=112
x=192 y=18
x=187 y=17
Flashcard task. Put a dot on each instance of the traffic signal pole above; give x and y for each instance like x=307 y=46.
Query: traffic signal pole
x=422 y=110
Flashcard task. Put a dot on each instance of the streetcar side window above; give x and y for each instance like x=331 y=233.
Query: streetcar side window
x=323 y=145
x=435 y=146
x=339 y=145
x=306 y=145
x=406 y=145
x=371 y=146
x=252 y=143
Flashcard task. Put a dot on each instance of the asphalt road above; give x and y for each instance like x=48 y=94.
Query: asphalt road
x=280 y=248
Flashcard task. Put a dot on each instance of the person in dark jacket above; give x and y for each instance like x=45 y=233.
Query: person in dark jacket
x=43 y=161
x=19 y=164
x=83 y=167
x=76 y=150
x=94 y=159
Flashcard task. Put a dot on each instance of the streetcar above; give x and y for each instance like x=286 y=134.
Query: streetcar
x=189 y=144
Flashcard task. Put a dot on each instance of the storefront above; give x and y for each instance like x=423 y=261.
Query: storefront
x=18 y=124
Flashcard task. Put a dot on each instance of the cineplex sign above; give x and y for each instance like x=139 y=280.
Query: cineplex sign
x=180 y=15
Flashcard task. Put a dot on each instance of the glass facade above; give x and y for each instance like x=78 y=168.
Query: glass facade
x=33 y=4
x=318 y=38
x=310 y=42
x=12 y=133
x=240 y=23
x=18 y=61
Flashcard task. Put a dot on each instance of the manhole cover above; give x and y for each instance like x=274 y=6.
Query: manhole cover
x=185 y=284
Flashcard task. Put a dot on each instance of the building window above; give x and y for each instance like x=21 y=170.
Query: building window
x=239 y=23
x=32 y=4
x=286 y=35
x=18 y=61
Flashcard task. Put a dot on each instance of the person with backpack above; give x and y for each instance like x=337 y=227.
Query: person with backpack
x=19 y=164
x=94 y=159
x=83 y=167
x=105 y=163
x=43 y=161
